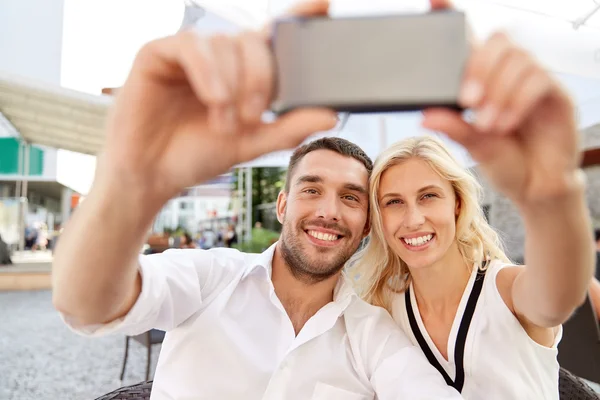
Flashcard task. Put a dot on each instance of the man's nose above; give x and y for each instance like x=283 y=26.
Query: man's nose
x=329 y=208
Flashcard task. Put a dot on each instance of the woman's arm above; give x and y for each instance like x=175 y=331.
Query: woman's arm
x=560 y=257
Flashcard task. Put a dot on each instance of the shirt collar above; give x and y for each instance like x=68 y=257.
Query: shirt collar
x=342 y=294
x=263 y=260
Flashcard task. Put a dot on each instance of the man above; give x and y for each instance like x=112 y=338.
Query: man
x=280 y=325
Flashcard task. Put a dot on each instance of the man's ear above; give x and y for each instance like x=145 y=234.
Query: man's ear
x=367 y=229
x=281 y=205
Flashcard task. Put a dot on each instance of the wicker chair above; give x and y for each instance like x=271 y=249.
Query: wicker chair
x=140 y=391
x=570 y=388
x=579 y=348
x=146 y=339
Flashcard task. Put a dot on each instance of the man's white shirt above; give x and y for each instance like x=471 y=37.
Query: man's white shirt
x=229 y=337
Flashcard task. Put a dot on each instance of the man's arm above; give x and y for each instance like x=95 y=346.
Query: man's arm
x=187 y=98
x=95 y=271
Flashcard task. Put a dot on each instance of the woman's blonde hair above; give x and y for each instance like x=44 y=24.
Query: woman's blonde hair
x=377 y=270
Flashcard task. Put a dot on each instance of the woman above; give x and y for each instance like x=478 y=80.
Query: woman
x=435 y=264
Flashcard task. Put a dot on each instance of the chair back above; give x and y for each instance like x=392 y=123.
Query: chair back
x=139 y=391
x=571 y=387
x=579 y=349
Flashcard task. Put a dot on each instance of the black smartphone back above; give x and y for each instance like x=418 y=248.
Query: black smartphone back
x=370 y=64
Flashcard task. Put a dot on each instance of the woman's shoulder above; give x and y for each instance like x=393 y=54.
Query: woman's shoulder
x=499 y=279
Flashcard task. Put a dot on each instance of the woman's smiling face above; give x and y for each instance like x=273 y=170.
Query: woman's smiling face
x=418 y=211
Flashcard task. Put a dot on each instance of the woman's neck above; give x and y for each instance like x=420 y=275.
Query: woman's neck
x=439 y=287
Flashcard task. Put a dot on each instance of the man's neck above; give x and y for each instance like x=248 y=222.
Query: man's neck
x=439 y=287
x=300 y=299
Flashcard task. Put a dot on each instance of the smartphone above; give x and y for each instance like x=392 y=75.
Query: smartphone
x=370 y=64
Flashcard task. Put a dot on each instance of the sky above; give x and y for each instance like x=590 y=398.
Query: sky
x=101 y=37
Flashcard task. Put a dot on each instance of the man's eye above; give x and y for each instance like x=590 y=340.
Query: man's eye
x=351 y=198
x=310 y=191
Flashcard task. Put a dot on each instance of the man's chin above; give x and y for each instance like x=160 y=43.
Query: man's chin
x=321 y=269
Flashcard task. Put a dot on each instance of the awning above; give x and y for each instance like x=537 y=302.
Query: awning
x=54 y=116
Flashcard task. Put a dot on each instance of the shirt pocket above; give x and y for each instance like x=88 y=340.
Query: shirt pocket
x=324 y=391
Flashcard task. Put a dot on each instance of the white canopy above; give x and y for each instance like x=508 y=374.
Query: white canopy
x=54 y=116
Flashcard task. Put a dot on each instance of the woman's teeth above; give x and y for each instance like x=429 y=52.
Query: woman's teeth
x=418 y=241
x=323 y=236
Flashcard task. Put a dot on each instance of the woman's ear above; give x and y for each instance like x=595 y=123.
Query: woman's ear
x=457 y=207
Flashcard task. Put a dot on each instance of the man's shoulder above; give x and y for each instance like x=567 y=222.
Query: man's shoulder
x=365 y=317
x=373 y=334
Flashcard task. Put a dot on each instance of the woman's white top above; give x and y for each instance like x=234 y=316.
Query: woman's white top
x=500 y=360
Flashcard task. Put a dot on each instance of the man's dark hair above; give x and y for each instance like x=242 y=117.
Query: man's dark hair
x=338 y=145
x=597 y=234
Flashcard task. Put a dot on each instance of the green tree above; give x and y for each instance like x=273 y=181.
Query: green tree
x=267 y=182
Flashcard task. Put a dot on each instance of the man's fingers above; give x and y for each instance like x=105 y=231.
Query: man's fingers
x=226 y=52
x=185 y=56
x=226 y=57
x=256 y=77
x=286 y=132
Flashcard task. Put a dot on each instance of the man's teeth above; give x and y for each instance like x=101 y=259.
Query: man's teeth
x=323 y=236
x=418 y=241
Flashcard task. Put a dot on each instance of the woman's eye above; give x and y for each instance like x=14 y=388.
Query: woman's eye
x=429 y=195
x=392 y=202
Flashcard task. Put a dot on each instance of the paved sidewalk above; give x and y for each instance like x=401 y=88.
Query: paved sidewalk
x=42 y=360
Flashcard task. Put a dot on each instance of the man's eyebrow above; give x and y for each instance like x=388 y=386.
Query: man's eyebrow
x=317 y=179
x=309 y=179
x=356 y=188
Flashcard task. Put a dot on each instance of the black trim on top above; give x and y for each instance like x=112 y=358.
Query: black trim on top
x=461 y=337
